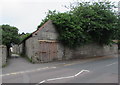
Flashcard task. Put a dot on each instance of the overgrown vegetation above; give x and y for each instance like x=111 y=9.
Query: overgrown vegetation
x=118 y=37
x=9 y=36
x=4 y=65
x=23 y=35
x=85 y=22
x=26 y=57
x=0 y=36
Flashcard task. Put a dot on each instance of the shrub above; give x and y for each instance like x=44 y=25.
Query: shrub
x=85 y=23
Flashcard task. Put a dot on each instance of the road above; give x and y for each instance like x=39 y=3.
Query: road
x=95 y=70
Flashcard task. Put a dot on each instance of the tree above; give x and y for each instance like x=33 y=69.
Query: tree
x=9 y=36
x=86 y=22
x=118 y=37
x=98 y=20
x=118 y=32
x=23 y=35
x=70 y=33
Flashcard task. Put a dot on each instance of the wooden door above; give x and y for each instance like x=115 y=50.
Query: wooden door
x=48 y=51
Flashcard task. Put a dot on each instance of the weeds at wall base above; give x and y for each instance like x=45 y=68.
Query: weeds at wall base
x=4 y=65
x=26 y=57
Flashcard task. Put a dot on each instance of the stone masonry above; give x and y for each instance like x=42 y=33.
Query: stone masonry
x=92 y=50
x=3 y=55
x=48 y=32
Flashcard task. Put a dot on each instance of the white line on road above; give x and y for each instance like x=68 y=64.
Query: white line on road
x=81 y=72
x=21 y=72
x=60 y=78
x=41 y=82
x=111 y=64
x=64 y=77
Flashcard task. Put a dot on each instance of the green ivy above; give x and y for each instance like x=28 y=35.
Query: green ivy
x=84 y=23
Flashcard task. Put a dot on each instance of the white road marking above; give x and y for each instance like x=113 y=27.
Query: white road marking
x=22 y=72
x=64 y=77
x=53 y=67
x=81 y=72
x=13 y=73
x=40 y=82
x=111 y=64
x=60 y=64
x=59 y=78
x=70 y=64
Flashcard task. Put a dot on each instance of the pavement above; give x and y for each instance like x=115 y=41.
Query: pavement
x=94 y=70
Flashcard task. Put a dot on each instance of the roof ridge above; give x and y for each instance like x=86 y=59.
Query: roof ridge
x=41 y=27
x=36 y=31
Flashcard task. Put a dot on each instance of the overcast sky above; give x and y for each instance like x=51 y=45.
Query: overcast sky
x=26 y=15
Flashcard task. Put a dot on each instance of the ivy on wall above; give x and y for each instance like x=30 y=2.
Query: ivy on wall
x=86 y=22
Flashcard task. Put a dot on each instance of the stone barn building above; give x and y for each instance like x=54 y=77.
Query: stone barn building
x=43 y=46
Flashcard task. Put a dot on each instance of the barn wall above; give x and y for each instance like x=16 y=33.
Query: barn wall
x=34 y=49
x=47 y=32
x=29 y=47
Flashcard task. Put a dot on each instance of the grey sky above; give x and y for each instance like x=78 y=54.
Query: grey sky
x=26 y=15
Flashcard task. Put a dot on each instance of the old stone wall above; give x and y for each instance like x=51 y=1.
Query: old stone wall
x=46 y=32
x=29 y=47
x=16 y=49
x=60 y=51
x=0 y=56
x=68 y=53
x=21 y=48
x=3 y=55
x=92 y=50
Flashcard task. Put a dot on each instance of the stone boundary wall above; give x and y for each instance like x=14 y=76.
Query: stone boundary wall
x=16 y=49
x=3 y=56
x=20 y=48
x=91 y=50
